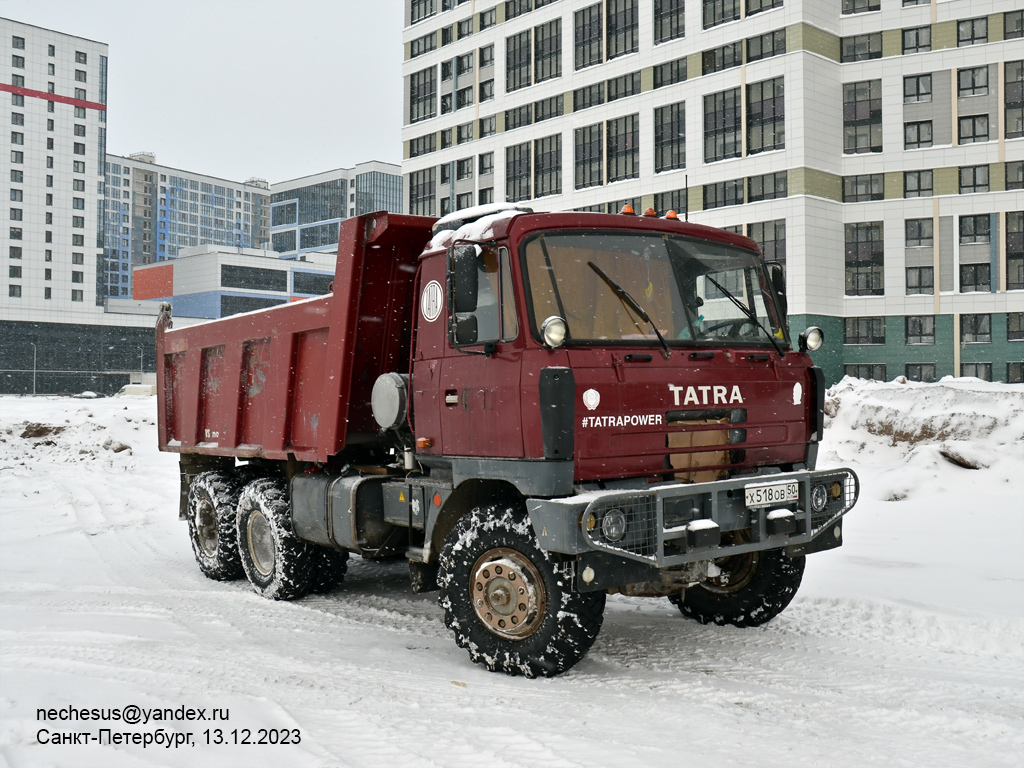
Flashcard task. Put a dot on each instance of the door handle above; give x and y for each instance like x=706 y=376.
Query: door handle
x=451 y=397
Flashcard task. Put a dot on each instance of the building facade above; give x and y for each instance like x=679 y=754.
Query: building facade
x=305 y=212
x=211 y=281
x=875 y=147
x=153 y=211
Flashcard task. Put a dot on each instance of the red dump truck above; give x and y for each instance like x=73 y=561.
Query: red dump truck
x=533 y=409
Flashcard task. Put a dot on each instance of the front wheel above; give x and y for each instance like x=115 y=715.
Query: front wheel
x=508 y=603
x=750 y=590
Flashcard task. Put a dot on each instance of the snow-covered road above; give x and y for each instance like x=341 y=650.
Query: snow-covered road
x=903 y=648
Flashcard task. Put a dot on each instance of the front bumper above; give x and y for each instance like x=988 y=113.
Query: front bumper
x=675 y=524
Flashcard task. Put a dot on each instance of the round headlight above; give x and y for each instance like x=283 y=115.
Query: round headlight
x=811 y=339
x=613 y=525
x=553 y=330
x=819 y=497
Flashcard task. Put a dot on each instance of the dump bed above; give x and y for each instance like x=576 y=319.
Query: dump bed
x=296 y=379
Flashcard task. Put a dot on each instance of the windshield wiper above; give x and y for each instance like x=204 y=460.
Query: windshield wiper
x=631 y=303
x=748 y=312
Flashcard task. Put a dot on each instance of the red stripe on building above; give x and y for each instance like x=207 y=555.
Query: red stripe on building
x=153 y=282
x=53 y=97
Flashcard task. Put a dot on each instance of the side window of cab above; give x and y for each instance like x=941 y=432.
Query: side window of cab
x=480 y=295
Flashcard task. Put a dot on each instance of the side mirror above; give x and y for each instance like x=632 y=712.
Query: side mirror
x=778 y=276
x=464 y=280
x=465 y=328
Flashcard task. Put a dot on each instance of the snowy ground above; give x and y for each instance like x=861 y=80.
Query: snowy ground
x=904 y=648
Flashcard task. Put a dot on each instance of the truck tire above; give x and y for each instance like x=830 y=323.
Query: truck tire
x=329 y=569
x=277 y=563
x=510 y=605
x=211 y=512
x=753 y=589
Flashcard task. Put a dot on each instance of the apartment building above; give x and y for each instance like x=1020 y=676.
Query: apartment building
x=875 y=147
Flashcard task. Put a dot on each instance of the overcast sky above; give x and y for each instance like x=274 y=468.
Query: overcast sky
x=240 y=88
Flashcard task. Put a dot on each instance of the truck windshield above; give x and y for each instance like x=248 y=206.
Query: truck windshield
x=683 y=285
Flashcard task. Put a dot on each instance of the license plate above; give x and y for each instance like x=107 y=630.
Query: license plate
x=773 y=493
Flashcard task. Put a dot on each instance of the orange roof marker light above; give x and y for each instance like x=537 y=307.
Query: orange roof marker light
x=671 y=215
x=628 y=210
x=650 y=212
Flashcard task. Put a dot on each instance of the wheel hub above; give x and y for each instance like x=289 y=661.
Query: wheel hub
x=261 y=543
x=507 y=594
x=206 y=528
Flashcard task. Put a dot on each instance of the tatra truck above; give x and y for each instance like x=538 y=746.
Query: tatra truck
x=535 y=410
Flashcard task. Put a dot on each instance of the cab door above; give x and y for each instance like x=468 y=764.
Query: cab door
x=479 y=397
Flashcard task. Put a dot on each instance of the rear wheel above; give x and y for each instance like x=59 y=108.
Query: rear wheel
x=212 y=501
x=751 y=589
x=508 y=603
x=278 y=564
x=329 y=569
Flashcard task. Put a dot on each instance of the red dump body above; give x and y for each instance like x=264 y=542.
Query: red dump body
x=222 y=393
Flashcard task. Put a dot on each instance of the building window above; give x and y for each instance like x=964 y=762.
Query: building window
x=671 y=201
x=869 y=186
x=917 y=40
x=587 y=24
x=463 y=64
x=975 y=329
x=486 y=164
x=722 y=120
x=464 y=97
x=972 y=31
x=18 y=62
x=463 y=133
x=972 y=82
x=771 y=237
x=875 y=372
x=720 y=11
x=422 y=145
x=917 y=89
x=447 y=38
x=15 y=233
x=548 y=108
x=920 y=281
x=464 y=29
x=518 y=117
x=1015 y=326
x=670 y=72
x=421 y=9
x=14 y=251
x=769 y=186
x=548 y=51
x=486 y=56
x=865 y=259
x=860 y=6
x=670 y=137
x=17 y=156
x=517 y=61
x=515 y=8
x=621 y=87
x=723 y=193
x=920 y=329
x=463 y=201
x=766 y=116
x=547 y=154
x=14 y=291
x=421 y=192
x=623 y=148
x=975 y=278
x=973 y=178
x=669 y=20
x=1014 y=373
x=487 y=90
x=80 y=76
x=517 y=172
x=1015 y=250
x=15 y=214
x=423 y=94
x=864 y=330
x=768 y=44
x=77 y=295
x=588 y=96
x=981 y=371
x=861 y=47
x=917 y=184
x=917 y=135
x=486 y=196
x=973 y=128
x=18 y=43
x=464 y=168
x=725 y=57
x=422 y=45
x=488 y=126
x=589 y=156
x=488 y=19
x=756 y=6
x=1014 y=99
x=919 y=233
x=18 y=81
x=924 y=372
x=623 y=25
x=862 y=117
x=446 y=138
x=974 y=229
x=1013 y=25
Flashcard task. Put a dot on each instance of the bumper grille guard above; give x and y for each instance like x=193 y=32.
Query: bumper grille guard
x=676 y=524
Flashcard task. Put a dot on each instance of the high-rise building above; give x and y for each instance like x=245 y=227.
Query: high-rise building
x=152 y=211
x=305 y=212
x=875 y=147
